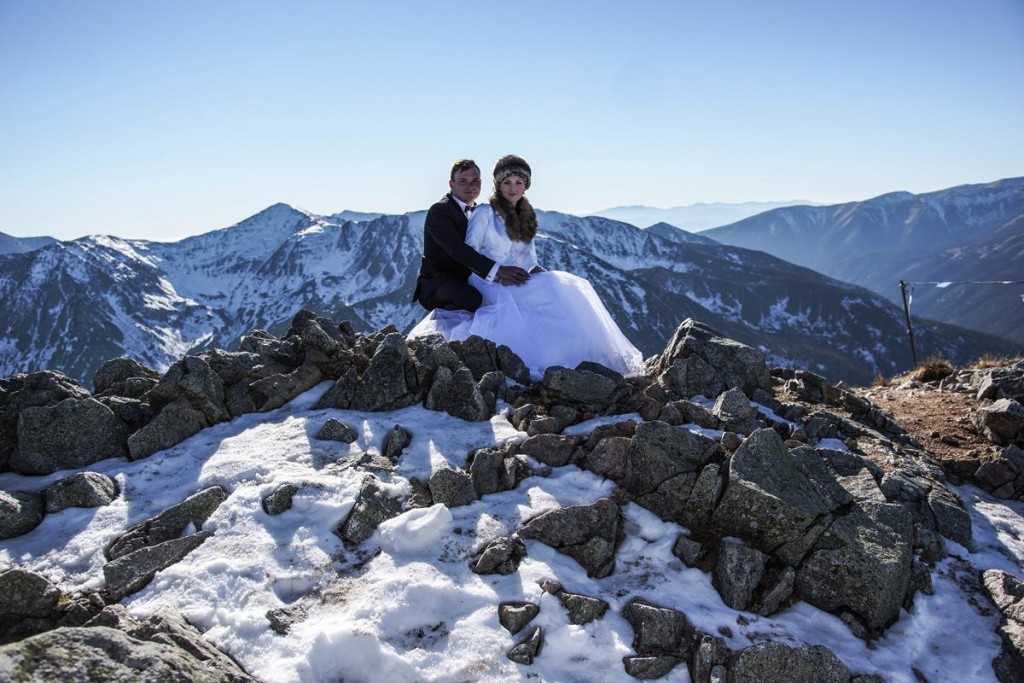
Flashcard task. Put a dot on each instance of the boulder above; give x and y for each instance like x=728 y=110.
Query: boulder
x=28 y=604
x=582 y=609
x=176 y=422
x=778 y=591
x=587 y=533
x=194 y=381
x=662 y=466
x=649 y=668
x=37 y=389
x=101 y=653
x=169 y=524
x=738 y=572
x=861 y=563
x=951 y=517
x=336 y=430
x=712 y=653
x=132 y=571
x=1002 y=422
x=590 y=387
x=514 y=616
x=242 y=367
x=773 y=497
x=20 y=512
x=395 y=442
x=1007 y=593
x=384 y=384
x=659 y=631
x=511 y=365
x=688 y=550
x=134 y=413
x=698 y=360
x=326 y=345
x=477 y=354
x=493 y=471
x=372 y=507
x=420 y=497
x=735 y=411
x=342 y=392
x=608 y=458
x=430 y=353
x=288 y=351
x=274 y=391
x=553 y=450
x=1006 y=382
x=525 y=651
x=282 y=619
x=457 y=394
x=82 y=490
x=500 y=556
x=74 y=433
x=279 y=500
x=779 y=663
x=169 y=627
x=452 y=488
x=112 y=377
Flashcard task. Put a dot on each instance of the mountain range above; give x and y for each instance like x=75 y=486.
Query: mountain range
x=956 y=246
x=692 y=217
x=10 y=244
x=72 y=305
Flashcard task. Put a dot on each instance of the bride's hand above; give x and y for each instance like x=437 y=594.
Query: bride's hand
x=511 y=275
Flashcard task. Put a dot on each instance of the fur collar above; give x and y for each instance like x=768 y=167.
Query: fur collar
x=520 y=221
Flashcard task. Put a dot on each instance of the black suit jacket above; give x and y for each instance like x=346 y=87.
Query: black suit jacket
x=446 y=256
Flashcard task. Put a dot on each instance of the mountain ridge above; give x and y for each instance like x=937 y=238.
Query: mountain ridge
x=692 y=217
x=901 y=236
x=105 y=297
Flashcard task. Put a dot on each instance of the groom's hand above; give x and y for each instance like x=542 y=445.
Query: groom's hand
x=511 y=275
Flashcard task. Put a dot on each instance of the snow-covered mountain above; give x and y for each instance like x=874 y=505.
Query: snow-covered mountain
x=964 y=234
x=72 y=305
x=9 y=244
x=692 y=217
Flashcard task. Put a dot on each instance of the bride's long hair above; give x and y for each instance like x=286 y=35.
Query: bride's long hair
x=520 y=220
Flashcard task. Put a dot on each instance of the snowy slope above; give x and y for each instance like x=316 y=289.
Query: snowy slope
x=414 y=611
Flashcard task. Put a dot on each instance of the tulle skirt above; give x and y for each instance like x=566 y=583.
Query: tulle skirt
x=556 y=318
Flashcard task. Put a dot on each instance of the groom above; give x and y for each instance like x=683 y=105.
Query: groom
x=447 y=259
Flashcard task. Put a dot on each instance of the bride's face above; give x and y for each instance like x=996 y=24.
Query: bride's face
x=512 y=189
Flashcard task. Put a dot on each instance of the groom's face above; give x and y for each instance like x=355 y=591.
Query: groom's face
x=466 y=185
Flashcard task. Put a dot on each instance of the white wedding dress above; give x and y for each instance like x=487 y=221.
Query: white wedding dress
x=556 y=318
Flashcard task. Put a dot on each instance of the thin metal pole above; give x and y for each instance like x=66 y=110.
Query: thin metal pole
x=906 y=313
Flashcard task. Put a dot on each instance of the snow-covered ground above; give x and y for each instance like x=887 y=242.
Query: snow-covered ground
x=414 y=611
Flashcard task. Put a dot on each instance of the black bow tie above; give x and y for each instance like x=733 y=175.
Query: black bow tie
x=469 y=209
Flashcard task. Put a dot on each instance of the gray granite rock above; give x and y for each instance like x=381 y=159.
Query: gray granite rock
x=587 y=533
x=20 y=512
x=82 y=490
x=72 y=434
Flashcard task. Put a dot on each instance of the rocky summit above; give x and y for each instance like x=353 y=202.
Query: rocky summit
x=786 y=493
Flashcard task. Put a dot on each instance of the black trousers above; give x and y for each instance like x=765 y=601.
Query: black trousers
x=453 y=295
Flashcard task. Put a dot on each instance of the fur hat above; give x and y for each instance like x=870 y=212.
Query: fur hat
x=510 y=164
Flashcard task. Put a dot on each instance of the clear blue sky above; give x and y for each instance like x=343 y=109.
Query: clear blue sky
x=159 y=120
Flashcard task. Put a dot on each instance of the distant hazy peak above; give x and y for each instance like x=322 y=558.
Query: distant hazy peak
x=693 y=217
x=9 y=244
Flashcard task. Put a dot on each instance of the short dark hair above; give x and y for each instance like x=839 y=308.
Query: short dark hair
x=463 y=165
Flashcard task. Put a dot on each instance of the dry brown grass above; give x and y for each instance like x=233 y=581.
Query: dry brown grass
x=881 y=381
x=988 y=362
x=932 y=369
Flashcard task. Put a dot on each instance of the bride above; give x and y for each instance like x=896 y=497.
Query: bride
x=553 y=317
